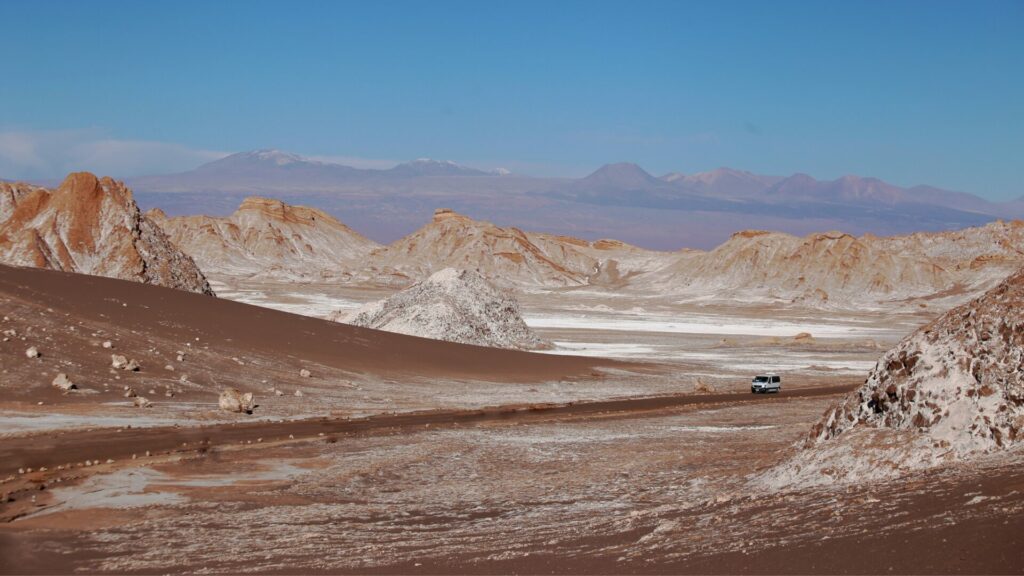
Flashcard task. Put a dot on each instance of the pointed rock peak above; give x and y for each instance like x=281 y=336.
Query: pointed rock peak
x=621 y=174
x=85 y=189
x=156 y=215
x=262 y=204
x=278 y=210
x=80 y=181
x=443 y=214
x=749 y=234
x=620 y=168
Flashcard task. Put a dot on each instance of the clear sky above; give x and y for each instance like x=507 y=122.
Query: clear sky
x=912 y=92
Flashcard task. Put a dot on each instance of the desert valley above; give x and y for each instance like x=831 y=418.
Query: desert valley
x=477 y=397
x=531 y=287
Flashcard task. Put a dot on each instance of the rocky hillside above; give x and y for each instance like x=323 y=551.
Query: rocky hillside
x=818 y=268
x=507 y=256
x=950 y=391
x=269 y=238
x=453 y=305
x=90 y=225
x=836 y=269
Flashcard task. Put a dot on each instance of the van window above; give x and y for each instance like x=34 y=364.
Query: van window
x=776 y=379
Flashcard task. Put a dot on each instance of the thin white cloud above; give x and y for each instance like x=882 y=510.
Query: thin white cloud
x=53 y=153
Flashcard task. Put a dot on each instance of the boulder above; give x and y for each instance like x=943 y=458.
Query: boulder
x=232 y=400
x=32 y=352
x=122 y=363
x=63 y=382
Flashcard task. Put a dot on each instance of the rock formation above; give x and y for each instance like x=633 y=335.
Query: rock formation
x=817 y=268
x=950 y=391
x=269 y=238
x=91 y=226
x=959 y=380
x=454 y=305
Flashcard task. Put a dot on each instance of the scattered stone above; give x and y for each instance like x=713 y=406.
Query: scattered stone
x=32 y=352
x=278 y=393
x=108 y=344
x=299 y=393
x=129 y=393
x=169 y=368
x=305 y=373
x=142 y=402
x=63 y=382
x=231 y=400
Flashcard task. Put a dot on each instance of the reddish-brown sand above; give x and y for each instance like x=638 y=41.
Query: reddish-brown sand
x=184 y=316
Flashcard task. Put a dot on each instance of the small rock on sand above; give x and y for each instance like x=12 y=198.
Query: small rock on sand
x=305 y=373
x=702 y=387
x=63 y=382
x=108 y=344
x=32 y=352
x=298 y=393
x=142 y=402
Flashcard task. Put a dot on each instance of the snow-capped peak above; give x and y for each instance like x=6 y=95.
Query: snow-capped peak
x=276 y=156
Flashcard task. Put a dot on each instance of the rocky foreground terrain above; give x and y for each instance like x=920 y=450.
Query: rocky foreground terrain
x=951 y=391
x=91 y=226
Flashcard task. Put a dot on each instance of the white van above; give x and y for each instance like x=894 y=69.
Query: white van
x=766 y=383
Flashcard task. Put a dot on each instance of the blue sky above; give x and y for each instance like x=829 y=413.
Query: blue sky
x=912 y=92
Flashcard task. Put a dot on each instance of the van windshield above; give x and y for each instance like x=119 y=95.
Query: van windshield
x=761 y=379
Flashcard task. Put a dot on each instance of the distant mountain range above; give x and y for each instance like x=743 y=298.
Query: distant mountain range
x=617 y=200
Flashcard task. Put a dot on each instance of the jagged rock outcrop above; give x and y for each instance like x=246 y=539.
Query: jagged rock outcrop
x=959 y=379
x=90 y=225
x=454 y=305
x=950 y=391
x=269 y=238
